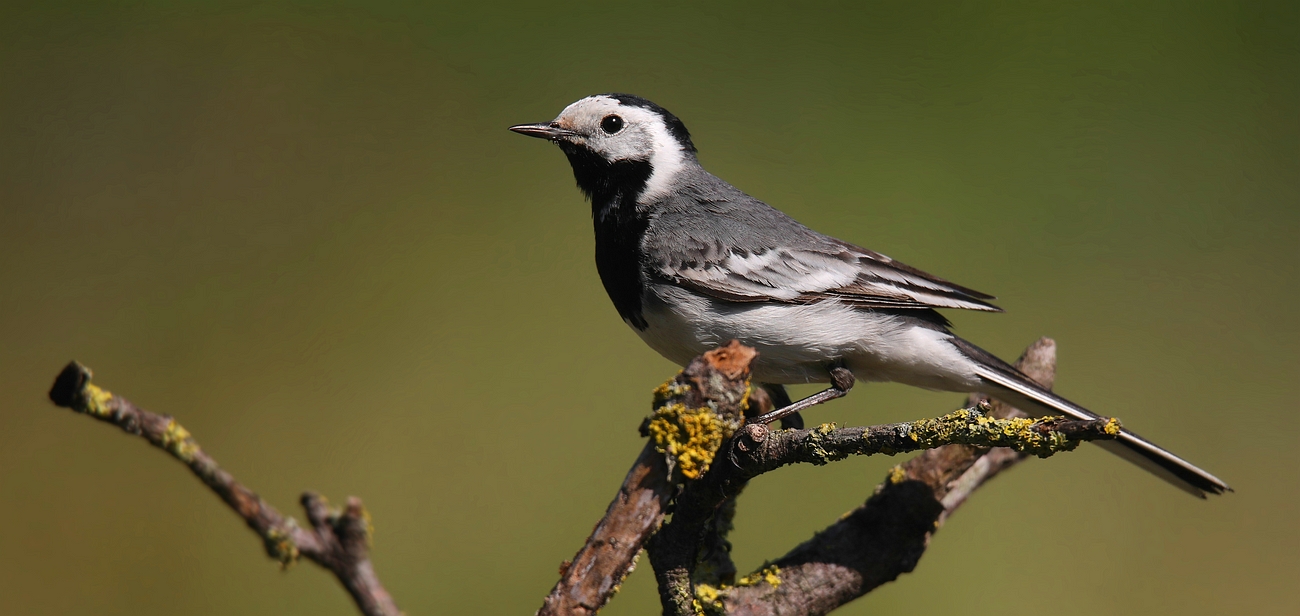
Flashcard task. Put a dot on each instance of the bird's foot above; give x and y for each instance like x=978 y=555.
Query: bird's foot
x=781 y=399
x=841 y=382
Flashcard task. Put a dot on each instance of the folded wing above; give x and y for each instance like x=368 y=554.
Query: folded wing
x=834 y=270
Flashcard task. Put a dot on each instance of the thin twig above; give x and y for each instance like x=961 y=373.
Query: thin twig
x=339 y=540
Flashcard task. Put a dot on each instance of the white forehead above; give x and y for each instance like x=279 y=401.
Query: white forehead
x=593 y=109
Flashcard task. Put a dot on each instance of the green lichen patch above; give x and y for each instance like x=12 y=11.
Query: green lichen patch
x=972 y=427
x=280 y=545
x=815 y=445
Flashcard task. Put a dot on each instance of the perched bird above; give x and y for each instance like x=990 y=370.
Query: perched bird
x=692 y=262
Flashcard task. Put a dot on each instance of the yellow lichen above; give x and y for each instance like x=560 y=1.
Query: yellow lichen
x=97 y=400
x=708 y=600
x=280 y=545
x=768 y=573
x=176 y=440
x=1113 y=428
x=708 y=597
x=771 y=576
x=815 y=445
x=971 y=427
x=691 y=435
x=668 y=390
x=897 y=474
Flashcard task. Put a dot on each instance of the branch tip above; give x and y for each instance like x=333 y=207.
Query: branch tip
x=70 y=383
x=339 y=541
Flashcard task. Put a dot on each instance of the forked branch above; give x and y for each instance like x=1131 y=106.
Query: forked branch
x=338 y=540
x=701 y=455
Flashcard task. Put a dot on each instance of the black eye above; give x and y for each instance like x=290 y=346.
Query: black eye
x=611 y=124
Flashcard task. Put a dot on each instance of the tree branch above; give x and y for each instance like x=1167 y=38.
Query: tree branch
x=339 y=540
x=716 y=381
x=701 y=452
x=756 y=450
x=887 y=535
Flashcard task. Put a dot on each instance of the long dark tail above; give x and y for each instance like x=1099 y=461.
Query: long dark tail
x=1013 y=387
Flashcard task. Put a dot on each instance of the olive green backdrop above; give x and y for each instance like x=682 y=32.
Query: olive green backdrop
x=303 y=229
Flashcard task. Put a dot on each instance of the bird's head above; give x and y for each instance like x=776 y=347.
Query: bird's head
x=611 y=136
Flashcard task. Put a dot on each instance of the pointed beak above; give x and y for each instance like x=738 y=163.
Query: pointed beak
x=543 y=130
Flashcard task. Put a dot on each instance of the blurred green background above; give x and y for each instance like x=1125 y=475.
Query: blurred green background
x=303 y=229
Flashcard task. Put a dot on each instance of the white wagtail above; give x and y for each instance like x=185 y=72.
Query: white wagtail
x=691 y=262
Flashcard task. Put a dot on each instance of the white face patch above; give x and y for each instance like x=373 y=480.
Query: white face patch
x=644 y=137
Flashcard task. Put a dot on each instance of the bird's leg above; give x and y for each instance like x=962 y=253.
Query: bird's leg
x=841 y=382
x=780 y=400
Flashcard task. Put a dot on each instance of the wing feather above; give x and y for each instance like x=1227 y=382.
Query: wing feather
x=838 y=271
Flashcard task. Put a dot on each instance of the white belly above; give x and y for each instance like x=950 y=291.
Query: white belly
x=798 y=342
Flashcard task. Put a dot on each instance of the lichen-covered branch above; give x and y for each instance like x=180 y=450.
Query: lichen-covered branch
x=755 y=450
x=699 y=456
x=760 y=450
x=886 y=536
x=339 y=539
x=694 y=412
